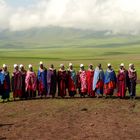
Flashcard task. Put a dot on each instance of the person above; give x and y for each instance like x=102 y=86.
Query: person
x=16 y=82
x=72 y=81
x=51 y=80
x=31 y=82
x=1 y=82
x=90 y=75
x=109 y=81
x=6 y=83
x=82 y=80
x=132 y=73
x=42 y=80
x=98 y=81
x=23 y=74
x=62 y=81
x=122 y=81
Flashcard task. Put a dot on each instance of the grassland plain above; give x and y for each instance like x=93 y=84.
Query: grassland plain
x=114 y=50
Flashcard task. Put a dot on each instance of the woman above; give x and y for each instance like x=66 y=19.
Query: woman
x=82 y=81
x=23 y=73
x=122 y=81
x=109 y=81
x=42 y=80
x=1 y=82
x=98 y=81
x=51 y=81
x=72 y=81
x=90 y=76
x=16 y=82
x=6 y=84
x=31 y=82
x=132 y=73
x=62 y=81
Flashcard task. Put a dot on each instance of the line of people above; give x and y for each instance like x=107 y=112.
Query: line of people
x=24 y=84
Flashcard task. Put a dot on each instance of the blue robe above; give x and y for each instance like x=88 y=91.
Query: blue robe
x=110 y=76
x=6 y=85
x=1 y=82
x=98 y=75
x=42 y=77
x=1 y=78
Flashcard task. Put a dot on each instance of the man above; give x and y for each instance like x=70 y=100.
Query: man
x=72 y=80
x=90 y=75
x=98 y=81
x=122 y=81
x=6 y=83
x=132 y=73
x=23 y=73
x=109 y=81
x=31 y=82
x=82 y=81
x=51 y=81
x=62 y=81
x=42 y=80
x=16 y=82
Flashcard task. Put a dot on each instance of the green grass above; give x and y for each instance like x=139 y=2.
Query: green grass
x=113 y=50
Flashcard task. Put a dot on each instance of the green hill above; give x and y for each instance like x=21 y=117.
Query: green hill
x=57 y=37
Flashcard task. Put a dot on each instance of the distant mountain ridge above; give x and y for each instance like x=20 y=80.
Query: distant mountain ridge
x=58 y=37
x=50 y=32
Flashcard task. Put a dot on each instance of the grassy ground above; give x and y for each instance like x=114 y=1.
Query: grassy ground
x=105 y=50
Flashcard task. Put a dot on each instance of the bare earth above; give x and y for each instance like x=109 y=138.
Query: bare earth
x=70 y=119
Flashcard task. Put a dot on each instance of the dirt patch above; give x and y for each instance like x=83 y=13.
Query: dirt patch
x=70 y=119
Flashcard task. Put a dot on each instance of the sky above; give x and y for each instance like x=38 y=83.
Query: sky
x=20 y=3
x=113 y=16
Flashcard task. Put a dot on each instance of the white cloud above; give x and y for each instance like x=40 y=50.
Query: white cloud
x=117 y=16
x=4 y=14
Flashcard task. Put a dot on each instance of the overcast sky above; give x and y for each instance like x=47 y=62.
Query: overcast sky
x=116 y=16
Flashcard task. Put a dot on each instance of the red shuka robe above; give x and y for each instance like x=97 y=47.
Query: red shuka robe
x=90 y=74
x=121 y=83
x=62 y=78
x=17 y=84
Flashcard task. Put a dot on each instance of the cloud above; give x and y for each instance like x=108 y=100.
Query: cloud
x=115 y=16
x=4 y=14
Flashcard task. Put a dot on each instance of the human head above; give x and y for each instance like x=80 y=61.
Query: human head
x=15 y=66
x=41 y=64
x=4 y=67
x=62 y=66
x=21 y=67
x=121 y=65
x=130 y=65
x=52 y=66
x=30 y=67
x=109 y=65
x=82 y=66
x=99 y=66
x=70 y=65
x=90 y=66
